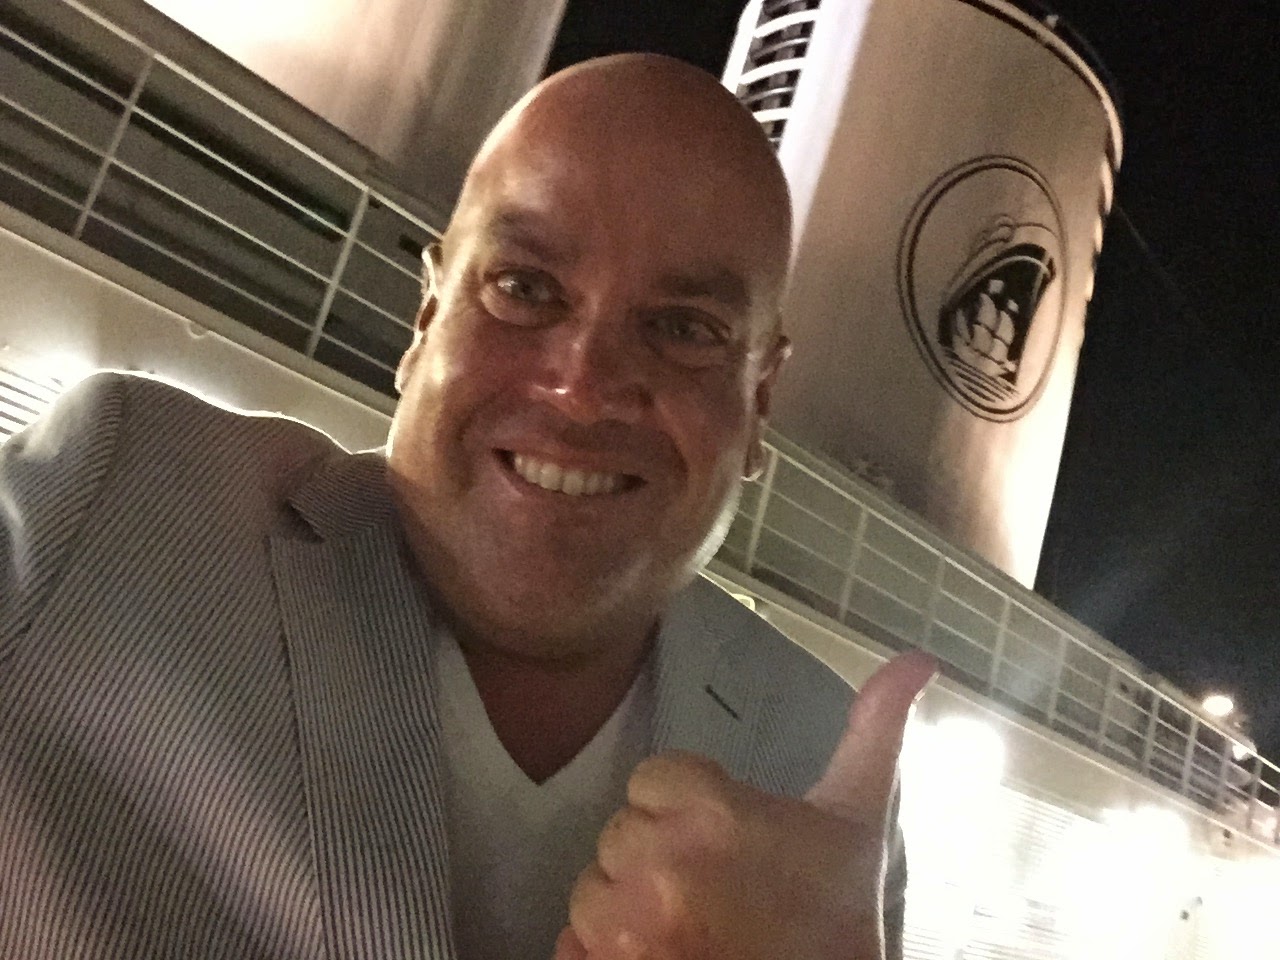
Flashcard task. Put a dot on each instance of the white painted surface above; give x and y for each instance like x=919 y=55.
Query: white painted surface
x=58 y=319
x=419 y=82
x=892 y=96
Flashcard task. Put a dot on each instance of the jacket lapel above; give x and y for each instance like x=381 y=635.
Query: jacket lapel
x=357 y=628
x=708 y=687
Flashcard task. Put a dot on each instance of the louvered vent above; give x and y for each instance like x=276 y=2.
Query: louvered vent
x=774 y=62
x=22 y=397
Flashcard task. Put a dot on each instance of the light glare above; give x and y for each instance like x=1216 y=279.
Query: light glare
x=1218 y=705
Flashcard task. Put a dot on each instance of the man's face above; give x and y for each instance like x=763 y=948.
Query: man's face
x=578 y=405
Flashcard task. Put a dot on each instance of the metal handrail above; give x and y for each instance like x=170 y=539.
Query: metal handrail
x=333 y=287
x=1025 y=654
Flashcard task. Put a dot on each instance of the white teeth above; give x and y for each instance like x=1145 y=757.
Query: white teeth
x=549 y=477
x=575 y=483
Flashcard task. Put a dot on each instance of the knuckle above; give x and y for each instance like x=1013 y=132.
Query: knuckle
x=706 y=780
x=613 y=922
x=585 y=899
x=674 y=779
x=621 y=840
x=718 y=828
x=718 y=814
x=671 y=900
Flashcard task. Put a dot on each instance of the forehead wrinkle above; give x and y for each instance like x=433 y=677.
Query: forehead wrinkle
x=533 y=233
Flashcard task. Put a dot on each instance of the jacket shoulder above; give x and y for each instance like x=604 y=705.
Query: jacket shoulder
x=51 y=475
x=199 y=447
x=121 y=446
x=168 y=415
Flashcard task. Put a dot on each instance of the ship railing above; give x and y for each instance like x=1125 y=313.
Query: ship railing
x=107 y=139
x=832 y=541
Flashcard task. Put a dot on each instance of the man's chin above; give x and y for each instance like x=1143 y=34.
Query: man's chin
x=558 y=617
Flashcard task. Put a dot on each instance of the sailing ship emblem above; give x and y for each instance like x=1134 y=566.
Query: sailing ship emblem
x=988 y=324
x=986 y=318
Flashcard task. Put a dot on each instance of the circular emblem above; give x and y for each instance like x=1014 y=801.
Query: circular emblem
x=981 y=276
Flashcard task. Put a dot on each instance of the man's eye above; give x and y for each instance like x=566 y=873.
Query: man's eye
x=523 y=297
x=526 y=287
x=688 y=329
x=690 y=339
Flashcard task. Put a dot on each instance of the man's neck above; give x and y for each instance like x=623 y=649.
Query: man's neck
x=545 y=713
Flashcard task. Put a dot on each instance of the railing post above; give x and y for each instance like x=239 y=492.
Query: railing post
x=113 y=146
x=757 y=523
x=1188 y=759
x=855 y=553
x=1059 y=666
x=339 y=268
x=931 y=606
x=1223 y=791
x=1108 y=696
x=1255 y=789
x=1153 y=722
x=997 y=655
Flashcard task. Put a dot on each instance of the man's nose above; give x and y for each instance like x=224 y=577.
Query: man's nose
x=594 y=370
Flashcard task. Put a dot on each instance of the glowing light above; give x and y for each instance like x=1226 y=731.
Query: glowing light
x=1149 y=829
x=1218 y=705
x=974 y=745
x=1125 y=882
x=57 y=370
x=955 y=815
x=1242 y=895
x=963 y=757
x=1239 y=750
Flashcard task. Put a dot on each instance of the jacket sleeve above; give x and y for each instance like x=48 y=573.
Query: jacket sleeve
x=51 y=475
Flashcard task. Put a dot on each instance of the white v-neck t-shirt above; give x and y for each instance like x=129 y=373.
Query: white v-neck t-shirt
x=515 y=846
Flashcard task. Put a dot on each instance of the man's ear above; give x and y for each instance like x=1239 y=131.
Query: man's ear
x=431 y=271
x=770 y=367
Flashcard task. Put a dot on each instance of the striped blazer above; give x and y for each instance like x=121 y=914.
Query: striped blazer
x=217 y=738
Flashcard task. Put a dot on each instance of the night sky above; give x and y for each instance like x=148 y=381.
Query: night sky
x=1165 y=531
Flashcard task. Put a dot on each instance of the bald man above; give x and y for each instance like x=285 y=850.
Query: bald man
x=468 y=696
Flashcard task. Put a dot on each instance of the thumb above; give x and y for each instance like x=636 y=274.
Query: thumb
x=860 y=778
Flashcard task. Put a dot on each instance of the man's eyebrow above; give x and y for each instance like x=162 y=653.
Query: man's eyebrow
x=529 y=232
x=718 y=283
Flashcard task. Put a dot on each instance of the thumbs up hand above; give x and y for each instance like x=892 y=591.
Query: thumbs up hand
x=699 y=866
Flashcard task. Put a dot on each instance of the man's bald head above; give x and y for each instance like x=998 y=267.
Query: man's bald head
x=668 y=129
x=594 y=361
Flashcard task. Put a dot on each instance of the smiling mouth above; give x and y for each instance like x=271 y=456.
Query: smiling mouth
x=567 y=480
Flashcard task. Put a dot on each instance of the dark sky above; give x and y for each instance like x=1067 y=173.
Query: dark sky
x=1165 y=531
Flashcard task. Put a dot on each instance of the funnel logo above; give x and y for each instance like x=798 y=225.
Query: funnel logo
x=980 y=274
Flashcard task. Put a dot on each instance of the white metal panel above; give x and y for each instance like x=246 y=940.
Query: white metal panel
x=25 y=392
x=1018 y=878
x=1238 y=908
